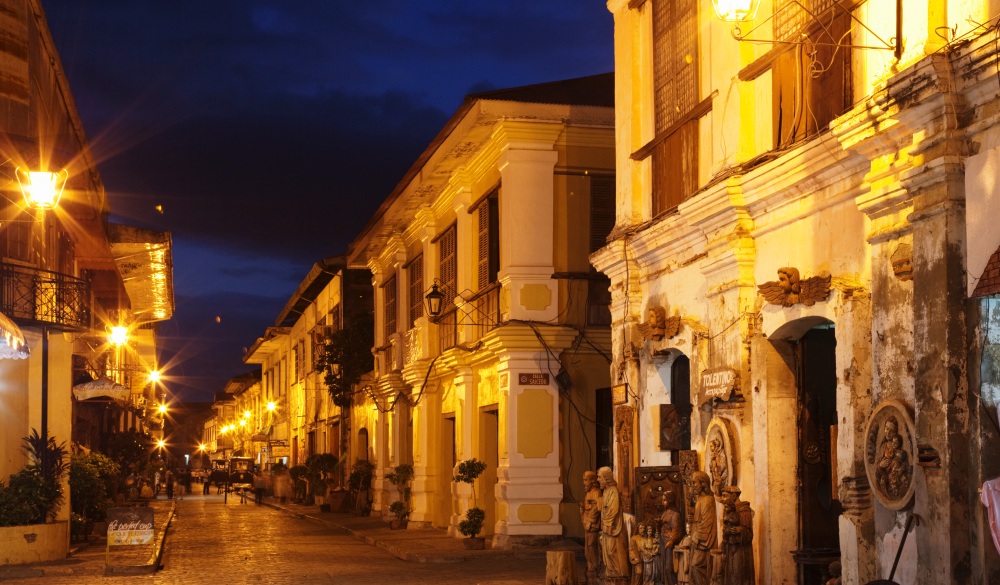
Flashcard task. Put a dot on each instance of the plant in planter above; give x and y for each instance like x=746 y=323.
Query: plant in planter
x=400 y=477
x=359 y=482
x=33 y=495
x=320 y=468
x=468 y=471
x=297 y=473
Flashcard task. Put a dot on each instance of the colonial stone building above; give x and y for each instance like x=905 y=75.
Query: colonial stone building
x=498 y=216
x=788 y=275
x=67 y=275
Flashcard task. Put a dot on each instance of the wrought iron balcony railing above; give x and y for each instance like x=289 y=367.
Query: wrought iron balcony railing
x=34 y=296
x=476 y=317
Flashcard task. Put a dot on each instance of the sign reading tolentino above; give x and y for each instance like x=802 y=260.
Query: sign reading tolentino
x=718 y=382
x=536 y=379
x=130 y=526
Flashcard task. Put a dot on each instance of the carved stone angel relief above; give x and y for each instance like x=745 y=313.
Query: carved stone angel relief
x=659 y=326
x=790 y=289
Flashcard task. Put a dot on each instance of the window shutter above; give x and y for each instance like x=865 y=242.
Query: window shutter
x=389 y=292
x=416 y=274
x=602 y=210
x=483 y=264
x=675 y=78
x=448 y=263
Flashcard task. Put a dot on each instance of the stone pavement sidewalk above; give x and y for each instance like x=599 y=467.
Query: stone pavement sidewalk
x=121 y=560
x=423 y=545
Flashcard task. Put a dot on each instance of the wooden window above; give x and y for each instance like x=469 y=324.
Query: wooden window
x=810 y=80
x=390 y=308
x=448 y=262
x=675 y=79
x=488 y=241
x=16 y=240
x=602 y=210
x=416 y=300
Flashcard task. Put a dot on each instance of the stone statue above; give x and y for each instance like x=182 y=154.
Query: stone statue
x=737 y=539
x=790 y=288
x=717 y=464
x=590 y=514
x=658 y=325
x=614 y=539
x=893 y=470
x=704 y=530
x=671 y=531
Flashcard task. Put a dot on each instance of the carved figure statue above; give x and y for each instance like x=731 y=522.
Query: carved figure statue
x=737 y=539
x=635 y=553
x=671 y=532
x=682 y=560
x=590 y=514
x=704 y=530
x=658 y=326
x=717 y=465
x=649 y=555
x=835 y=571
x=790 y=288
x=614 y=539
x=893 y=471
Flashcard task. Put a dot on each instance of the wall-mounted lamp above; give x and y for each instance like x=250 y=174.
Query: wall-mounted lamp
x=742 y=11
x=154 y=376
x=271 y=406
x=41 y=189
x=118 y=335
x=434 y=298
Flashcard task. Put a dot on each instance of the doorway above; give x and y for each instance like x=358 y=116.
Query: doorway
x=489 y=449
x=816 y=378
x=604 y=423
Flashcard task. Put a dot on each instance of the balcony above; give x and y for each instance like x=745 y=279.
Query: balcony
x=471 y=320
x=33 y=296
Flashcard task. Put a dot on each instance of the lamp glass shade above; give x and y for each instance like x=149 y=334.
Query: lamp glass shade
x=736 y=10
x=434 y=299
x=119 y=335
x=41 y=189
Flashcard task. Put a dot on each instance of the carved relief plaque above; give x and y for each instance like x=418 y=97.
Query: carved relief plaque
x=720 y=460
x=889 y=454
x=790 y=288
x=651 y=483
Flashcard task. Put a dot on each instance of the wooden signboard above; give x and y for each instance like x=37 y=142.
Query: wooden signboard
x=718 y=382
x=130 y=526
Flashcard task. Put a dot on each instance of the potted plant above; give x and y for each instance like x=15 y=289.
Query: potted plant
x=400 y=477
x=320 y=466
x=468 y=471
x=297 y=473
x=359 y=482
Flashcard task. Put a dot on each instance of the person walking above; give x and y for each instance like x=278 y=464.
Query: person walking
x=170 y=484
x=259 y=483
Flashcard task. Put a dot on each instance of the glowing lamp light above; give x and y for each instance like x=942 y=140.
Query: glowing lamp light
x=271 y=406
x=201 y=446
x=162 y=409
x=161 y=443
x=41 y=189
x=736 y=10
x=154 y=376
x=246 y=414
x=118 y=335
x=243 y=422
x=434 y=299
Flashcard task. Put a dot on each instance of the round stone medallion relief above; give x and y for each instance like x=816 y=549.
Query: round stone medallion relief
x=890 y=451
x=720 y=463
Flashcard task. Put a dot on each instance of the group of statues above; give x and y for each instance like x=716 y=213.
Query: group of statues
x=660 y=551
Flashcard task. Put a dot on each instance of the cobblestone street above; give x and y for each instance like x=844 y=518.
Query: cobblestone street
x=220 y=543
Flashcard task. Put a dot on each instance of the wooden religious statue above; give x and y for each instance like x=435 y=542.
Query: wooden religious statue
x=737 y=539
x=590 y=515
x=614 y=538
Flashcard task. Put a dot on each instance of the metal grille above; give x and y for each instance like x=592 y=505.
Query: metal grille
x=790 y=18
x=45 y=297
x=675 y=60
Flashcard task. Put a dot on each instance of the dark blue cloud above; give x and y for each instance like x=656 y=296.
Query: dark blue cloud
x=269 y=132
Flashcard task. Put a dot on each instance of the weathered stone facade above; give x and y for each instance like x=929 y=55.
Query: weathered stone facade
x=875 y=202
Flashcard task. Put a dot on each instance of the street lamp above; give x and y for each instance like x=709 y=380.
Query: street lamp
x=434 y=298
x=736 y=10
x=41 y=191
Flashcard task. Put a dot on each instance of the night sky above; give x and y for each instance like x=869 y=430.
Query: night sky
x=269 y=132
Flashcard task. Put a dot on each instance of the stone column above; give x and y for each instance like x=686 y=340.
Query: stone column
x=526 y=224
x=529 y=490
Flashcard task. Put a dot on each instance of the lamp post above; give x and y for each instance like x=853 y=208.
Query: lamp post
x=41 y=191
